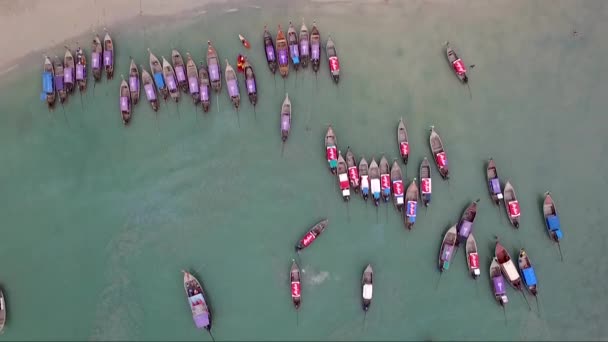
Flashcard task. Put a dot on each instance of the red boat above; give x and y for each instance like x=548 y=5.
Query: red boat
x=245 y=42
x=311 y=235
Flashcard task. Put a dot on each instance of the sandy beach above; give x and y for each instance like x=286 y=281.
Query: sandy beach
x=43 y=24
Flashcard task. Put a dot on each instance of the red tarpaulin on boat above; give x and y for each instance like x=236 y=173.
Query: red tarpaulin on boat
x=404 y=147
x=332 y=153
x=240 y=63
x=459 y=67
x=398 y=188
x=343 y=182
x=308 y=239
x=514 y=208
x=385 y=181
x=474 y=260
x=353 y=174
x=441 y=158
x=425 y=185
x=295 y=289
x=334 y=64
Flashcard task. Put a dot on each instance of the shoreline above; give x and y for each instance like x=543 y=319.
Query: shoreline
x=35 y=42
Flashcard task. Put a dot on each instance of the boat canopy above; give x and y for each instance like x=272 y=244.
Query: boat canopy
x=295 y=289
x=412 y=206
x=201 y=320
x=332 y=155
x=193 y=85
x=365 y=184
x=495 y=185
x=426 y=185
x=499 y=285
x=124 y=104
x=376 y=188
x=150 y=93
x=107 y=57
x=465 y=228
x=529 y=276
x=553 y=223
x=368 y=291
x=47 y=82
x=251 y=88
x=179 y=72
x=270 y=53
x=233 y=88
x=160 y=81
x=442 y=159
x=133 y=83
x=446 y=254
x=514 y=208
x=404 y=148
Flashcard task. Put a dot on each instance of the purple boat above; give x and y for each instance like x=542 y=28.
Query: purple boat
x=134 y=82
x=201 y=312
x=493 y=182
x=304 y=45
x=465 y=225
x=96 y=55
x=169 y=75
x=108 y=56
x=233 y=86
x=270 y=53
x=498 y=283
x=294 y=49
x=81 y=69
x=204 y=85
x=283 y=52
x=213 y=63
x=285 y=118
x=252 y=90
x=125 y=102
x=69 y=69
x=192 y=73
x=448 y=248
x=180 y=70
x=315 y=47
x=59 y=78
x=149 y=89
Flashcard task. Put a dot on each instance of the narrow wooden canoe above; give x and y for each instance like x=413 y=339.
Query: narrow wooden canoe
x=315 y=47
x=285 y=118
x=283 y=52
x=204 y=85
x=493 y=182
x=169 y=75
x=364 y=175
x=159 y=78
x=397 y=185
x=192 y=74
x=180 y=70
x=213 y=66
x=385 y=179
x=97 y=58
x=343 y=177
x=232 y=83
x=294 y=276
x=512 y=205
x=411 y=203
x=465 y=225
x=125 y=102
x=456 y=64
x=448 y=248
x=244 y=41
x=48 y=83
x=498 y=283
x=134 y=82
x=552 y=219
x=507 y=266
x=439 y=154
x=2 y=311
x=331 y=149
x=353 y=170
x=294 y=46
x=527 y=272
x=250 y=83
x=108 y=56
x=426 y=185
x=271 y=56
x=367 y=287
x=59 y=79
x=334 y=62
x=81 y=69
x=472 y=256
x=311 y=235
x=304 y=45
x=374 y=176
x=197 y=300
x=403 y=142
x=149 y=88
x=69 y=71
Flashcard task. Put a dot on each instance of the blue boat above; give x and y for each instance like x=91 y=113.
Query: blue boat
x=527 y=272
x=48 y=86
x=294 y=49
x=157 y=72
x=552 y=221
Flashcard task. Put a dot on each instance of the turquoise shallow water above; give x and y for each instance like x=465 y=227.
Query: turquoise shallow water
x=99 y=219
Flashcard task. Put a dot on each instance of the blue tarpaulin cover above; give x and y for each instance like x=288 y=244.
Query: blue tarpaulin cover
x=529 y=276
x=553 y=222
x=160 y=81
x=47 y=82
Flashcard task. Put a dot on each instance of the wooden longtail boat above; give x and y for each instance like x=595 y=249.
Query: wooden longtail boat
x=364 y=181
x=552 y=221
x=367 y=287
x=465 y=225
x=397 y=185
x=283 y=52
x=271 y=56
x=472 y=256
x=498 y=283
x=334 y=62
x=252 y=87
x=149 y=88
x=97 y=58
x=232 y=83
x=69 y=71
x=527 y=272
x=197 y=300
x=125 y=102
x=439 y=154
x=2 y=311
x=411 y=200
x=311 y=235
x=244 y=41
x=294 y=46
x=374 y=176
x=304 y=45
x=456 y=64
x=81 y=69
x=315 y=47
x=59 y=79
x=169 y=75
x=108 y=56
x=48 y=83
x=214 y=69
x=385 y=179
x=294 y=277
x=343 y=177
x=507 y=266
x=353 y=170
x=192 y=74
x=134 y=82
x=157 y=72
x=403 y=142
x=331 y=149
x=512 y=205
x=448 y=249
x=204 y=85
x=180 y=70
x=426 y=185
x=493 y=182
x=285 y=118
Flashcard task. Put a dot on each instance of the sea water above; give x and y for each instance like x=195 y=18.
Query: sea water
x=99 y=219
